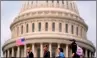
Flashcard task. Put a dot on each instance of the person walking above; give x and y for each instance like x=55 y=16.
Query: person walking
x=79 y=51
x=60 y=53
x=29 y=53
x=46 y=52
x=73 y=46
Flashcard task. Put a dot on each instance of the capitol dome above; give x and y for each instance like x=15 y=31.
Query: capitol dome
x=53 y=23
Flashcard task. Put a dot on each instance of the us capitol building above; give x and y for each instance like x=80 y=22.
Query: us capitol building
x=53 y=23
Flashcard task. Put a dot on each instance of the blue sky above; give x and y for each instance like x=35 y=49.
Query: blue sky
x=10 y=9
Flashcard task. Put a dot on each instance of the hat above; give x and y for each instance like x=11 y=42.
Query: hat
x=72 y=40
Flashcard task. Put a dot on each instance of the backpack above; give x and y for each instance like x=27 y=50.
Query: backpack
x=79 y=51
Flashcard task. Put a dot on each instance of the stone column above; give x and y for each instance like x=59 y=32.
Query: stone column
x=50 y=26
x=25 y=50
x=41 y=50
x=33 y=49
x=60 y=4
x=90 y=54
x=58 y=45
x=54 y=4
x=50 y=49
x=43 y=26
x=86 y=53
x=8 y=53
x=56 y=27
x=18 y=51
x=64 y=4
x=63 y=27
x=69 y=28
x=30 y=27
x=12 y=55
x=24 y=28
x=36 y=29
x=66 y=50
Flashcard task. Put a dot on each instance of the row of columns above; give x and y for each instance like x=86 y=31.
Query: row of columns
x=90 y=54
x=62 y=4
x=41 y=51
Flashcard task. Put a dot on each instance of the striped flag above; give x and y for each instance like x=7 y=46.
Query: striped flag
x=20 y=41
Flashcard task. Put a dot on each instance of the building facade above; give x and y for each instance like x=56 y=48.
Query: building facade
x=48 y=22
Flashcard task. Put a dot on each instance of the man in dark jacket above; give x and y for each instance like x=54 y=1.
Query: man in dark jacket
x=29 y=53
x=73 y=46
x=46 y=52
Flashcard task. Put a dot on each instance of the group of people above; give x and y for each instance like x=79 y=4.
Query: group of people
x=73 y=46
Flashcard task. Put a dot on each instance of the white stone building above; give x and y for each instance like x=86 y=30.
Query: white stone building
x=48 y=22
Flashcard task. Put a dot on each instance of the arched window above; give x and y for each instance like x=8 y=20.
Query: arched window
x=71 y=5
x=66 y=26
x=81 y=31
x=72 y=29
x=33 y=27
x=39 y=26
x=27 y=28
x=62 y=1
x=31 y=2
x=47 y=1
x=22 y=29
x=76 y=30
x=60 y=27
x=57 y=1
x=53 y=26
x=67 y=4
x=52 y=1
x=46 y=26
x=17 y=31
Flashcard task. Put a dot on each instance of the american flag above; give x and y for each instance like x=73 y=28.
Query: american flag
x=20 y=41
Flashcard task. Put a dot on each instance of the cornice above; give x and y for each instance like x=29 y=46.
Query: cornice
x=61 y=38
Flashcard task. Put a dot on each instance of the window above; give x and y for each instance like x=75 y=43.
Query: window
x=53 y=26
x=67 y=4
x=57 y=1
x=52 y=1
x=27 y=28
x=72 y=29
x=22 y=29
x=46 y=26
x=62 y=1
x=76 y=30
x=47 y=1
x=71 y=5
x=17 y=31
x=81 y=32
x=66 y=26
x=39 y=25
x=33 y=27
x=60 y=27
x=32 y=2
